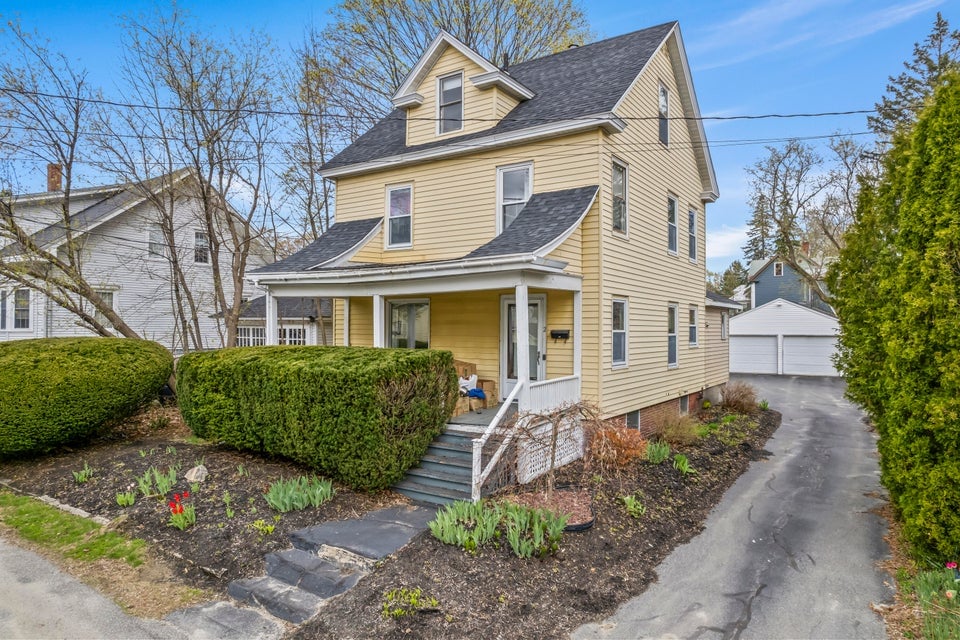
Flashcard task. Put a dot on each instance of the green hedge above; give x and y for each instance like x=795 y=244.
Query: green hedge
x=60 y=390
x=360 y=415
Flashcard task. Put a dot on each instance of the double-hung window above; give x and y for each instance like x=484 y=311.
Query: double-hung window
x=692 y=235
x=21 y=309
x=201 y=247
x=99 y=316
x=672 y=322
x=619 y=333
x=672 y=224
x=694 y=341
x=410 y=325
x=156 y=242
x=619 y=189
x=450 y=102
x=777 y=269
x=399 y=216
x=513 y=187
x=663 y=107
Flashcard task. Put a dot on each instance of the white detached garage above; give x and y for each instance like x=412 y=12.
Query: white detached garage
x=783 y=337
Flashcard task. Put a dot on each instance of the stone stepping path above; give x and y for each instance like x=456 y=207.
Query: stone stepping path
x=327 y=560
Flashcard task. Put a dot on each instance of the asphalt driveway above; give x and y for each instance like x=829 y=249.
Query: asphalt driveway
x=791 y=551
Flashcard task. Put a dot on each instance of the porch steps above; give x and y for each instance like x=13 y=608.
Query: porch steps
x=445 y=472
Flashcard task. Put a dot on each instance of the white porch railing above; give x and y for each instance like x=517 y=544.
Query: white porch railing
x=543 y=397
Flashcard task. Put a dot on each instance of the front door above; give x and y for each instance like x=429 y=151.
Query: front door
x=508 y=341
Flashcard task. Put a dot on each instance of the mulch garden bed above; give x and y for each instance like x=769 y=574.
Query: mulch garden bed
x=491 y=595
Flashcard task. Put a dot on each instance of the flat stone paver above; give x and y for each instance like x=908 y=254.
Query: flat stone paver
x=225 y=621
x=374 y=536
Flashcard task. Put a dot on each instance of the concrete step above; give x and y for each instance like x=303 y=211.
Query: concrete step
x=428 y=494
x=279 y=598
x=319 y=576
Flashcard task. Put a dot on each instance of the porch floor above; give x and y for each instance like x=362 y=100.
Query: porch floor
x=478 y=420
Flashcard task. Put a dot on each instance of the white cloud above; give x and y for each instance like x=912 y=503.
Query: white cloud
x=883 y=19
x=726 y=242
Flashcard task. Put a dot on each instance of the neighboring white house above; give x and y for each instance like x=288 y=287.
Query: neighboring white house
x=125 y=258
x=298 y=322
x=785 y=338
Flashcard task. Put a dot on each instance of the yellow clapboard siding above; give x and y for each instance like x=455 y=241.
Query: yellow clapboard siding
x=717 y=360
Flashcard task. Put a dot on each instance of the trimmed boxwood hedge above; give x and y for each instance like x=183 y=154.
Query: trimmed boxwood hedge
x=360 y=415
x=58 y=390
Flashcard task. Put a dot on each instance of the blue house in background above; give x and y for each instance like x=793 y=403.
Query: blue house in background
x=773 y=278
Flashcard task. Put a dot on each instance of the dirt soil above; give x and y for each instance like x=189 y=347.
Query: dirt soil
x=496 y=595
x=492 y=595
x=218 y=548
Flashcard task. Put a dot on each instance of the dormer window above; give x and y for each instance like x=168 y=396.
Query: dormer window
x=450 y=102
x=513 y=188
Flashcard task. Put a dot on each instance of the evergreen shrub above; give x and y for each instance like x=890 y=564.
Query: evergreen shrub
x=360 y=415
x=60 y=390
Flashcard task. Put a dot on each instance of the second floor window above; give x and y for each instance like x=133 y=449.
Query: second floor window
x=692 y=234
x=21 y=309
x=156 y=243
x=399 y=214
x=201 y=247
x=451 y=103
x=672 y=225
x=663 y=108
x=514 y=189
x=619 y=188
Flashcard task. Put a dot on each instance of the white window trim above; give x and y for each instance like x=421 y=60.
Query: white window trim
x=463 y=114
x=674 y=309
x=386 y=217
x=163 y=255
x=673 y=225
x=660 y=89
x=695 y=324
x=12 y=319
x=775 y=265
x=385 y=329
x=500 y=171
x=724 y=325
x=626 y=334
x=692 y=236
x=261 y=339
x=112 y=290
x=3 y=309
x=625 y=233
x=207 y=235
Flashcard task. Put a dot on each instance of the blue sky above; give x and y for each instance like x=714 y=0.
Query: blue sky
x=748 y=57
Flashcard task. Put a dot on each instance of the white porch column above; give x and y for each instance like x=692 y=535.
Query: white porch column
x=346 y=322
x=523 y=344
x=272 y=328
x=378 y=320
x=577 y=333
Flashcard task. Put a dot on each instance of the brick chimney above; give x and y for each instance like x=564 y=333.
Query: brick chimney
x=54 y=177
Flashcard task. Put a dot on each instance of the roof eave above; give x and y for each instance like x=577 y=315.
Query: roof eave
x=429 y=58
x=503 y=81
x=609 y=122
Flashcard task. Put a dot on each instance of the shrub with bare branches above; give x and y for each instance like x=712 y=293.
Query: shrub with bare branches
x=676 y=429
x=739 y=397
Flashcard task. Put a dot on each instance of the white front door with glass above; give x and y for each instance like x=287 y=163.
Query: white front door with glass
x=535 y=335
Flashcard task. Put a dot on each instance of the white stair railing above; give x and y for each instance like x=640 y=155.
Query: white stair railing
x=481 y=473
x=548 y=395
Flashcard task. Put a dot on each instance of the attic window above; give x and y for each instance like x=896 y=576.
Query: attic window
x=778 y=269
x=450 y=101
x=664 y=109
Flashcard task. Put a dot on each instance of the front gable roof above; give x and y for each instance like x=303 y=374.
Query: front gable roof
x=576 y=89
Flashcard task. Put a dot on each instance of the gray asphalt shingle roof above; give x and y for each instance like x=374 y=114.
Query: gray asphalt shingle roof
x=716 y=297
x=337 y=240
x=286 y=308
x=545 y=218
x=574 y=83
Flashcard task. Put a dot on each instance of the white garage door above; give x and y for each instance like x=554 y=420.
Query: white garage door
x=753 y=354
x=809 y=355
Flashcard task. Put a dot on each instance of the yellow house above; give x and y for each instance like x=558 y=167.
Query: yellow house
x=545 y=222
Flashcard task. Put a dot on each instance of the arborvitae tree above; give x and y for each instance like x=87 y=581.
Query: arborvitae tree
x=897 y=290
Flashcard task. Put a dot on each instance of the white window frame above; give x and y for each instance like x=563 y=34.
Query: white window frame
x=388 y=319
x=777 y=266
x=693 y=326
x=625 y=332
x=724 y=325
x=3 y=309
x=14 y=320
x=198 y=247
x=693 y=220
x=441 y=105
x=388 y=230
x=291 y=335
x=529 y=190
x=663 y=115
x=626 y=198
x=251 y=336
x=673 y=312
x=672 y=233
x=97 y=315
x=156 y=248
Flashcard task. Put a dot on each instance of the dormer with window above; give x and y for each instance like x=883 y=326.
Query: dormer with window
x=454 y=91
